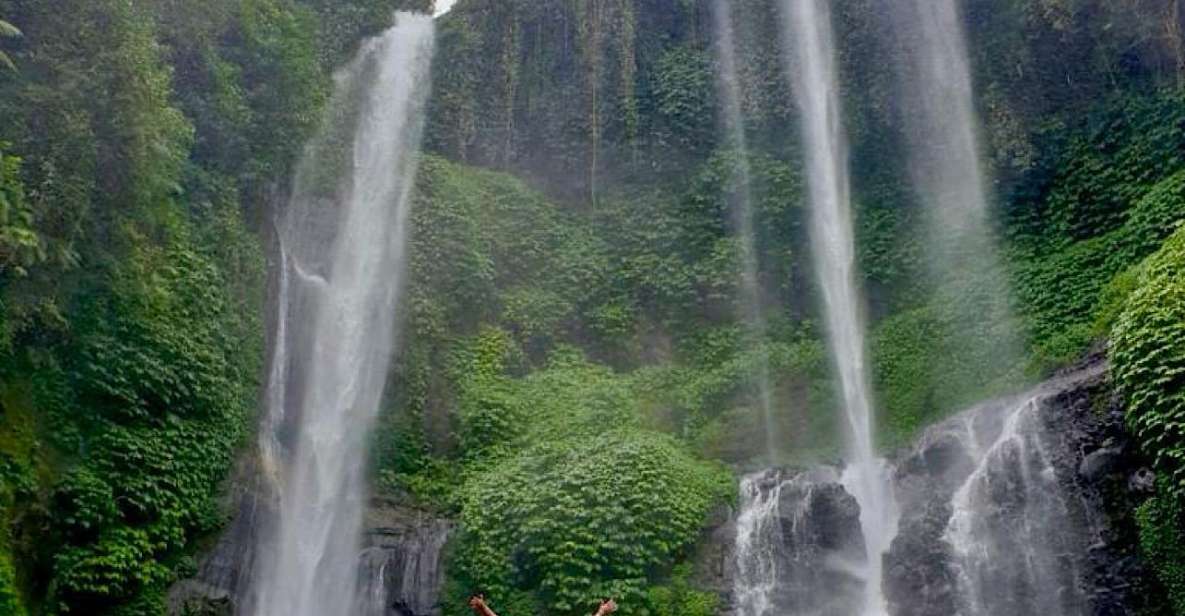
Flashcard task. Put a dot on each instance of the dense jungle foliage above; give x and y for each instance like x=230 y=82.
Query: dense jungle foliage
x=140 y=146
x=573 y=327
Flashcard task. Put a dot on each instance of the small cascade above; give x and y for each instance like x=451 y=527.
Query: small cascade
x=757 y=536
x=401 y=569
x=372 y=583
x=798 y=545
x=1014 y=535
x=996 y=518
x=341 y=245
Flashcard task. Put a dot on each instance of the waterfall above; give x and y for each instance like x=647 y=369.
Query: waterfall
x=342 y=250
x=1002 y=514
x=728 y=85
x=402 y=569
x=941 y=125
x=1012 y=531
x=811 y=64
x=756 y=545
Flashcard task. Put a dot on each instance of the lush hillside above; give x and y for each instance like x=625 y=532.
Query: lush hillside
x=574 y=330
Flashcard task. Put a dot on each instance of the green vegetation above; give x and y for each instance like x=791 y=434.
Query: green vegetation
x=1148 y=357
x=7 y=30
x=140 y=144
x=1162 y=539
x=543 y=340
x=578 y=500
x=574 y=333
x=1148 y=351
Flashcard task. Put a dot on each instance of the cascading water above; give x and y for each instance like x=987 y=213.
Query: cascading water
x=758 y=535
x=795 y=535
x=1012 y=530
x=734 y=128
x=936 y=81
x=342 y=249
x=811 y=64
x=1001 y=510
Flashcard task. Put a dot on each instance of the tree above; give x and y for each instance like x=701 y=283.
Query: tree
x=7 y=30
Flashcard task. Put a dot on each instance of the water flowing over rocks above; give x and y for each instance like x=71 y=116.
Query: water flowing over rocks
x=795 y=541
x=400 y=567
x=1021 y=507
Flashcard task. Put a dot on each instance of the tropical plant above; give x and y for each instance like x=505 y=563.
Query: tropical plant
x=7 y=30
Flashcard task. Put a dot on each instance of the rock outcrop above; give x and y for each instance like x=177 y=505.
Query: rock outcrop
x=402 y=561
x=793 y=546
x=1022 y=506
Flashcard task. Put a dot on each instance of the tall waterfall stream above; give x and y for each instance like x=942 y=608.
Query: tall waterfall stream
x=336 y=324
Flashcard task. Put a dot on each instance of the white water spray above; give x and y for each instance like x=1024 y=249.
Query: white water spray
x=729 y=86
x=942 y=127
x=811 y=63
x=757 y=543
x=342 y=250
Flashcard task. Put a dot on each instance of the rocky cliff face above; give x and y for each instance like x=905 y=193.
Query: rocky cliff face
x=402 y=561
x=1020 y=506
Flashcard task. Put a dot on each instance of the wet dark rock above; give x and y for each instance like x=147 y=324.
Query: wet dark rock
x=1099 y=464
x=918 y=576
x=402 y=561
x=1085 y=458
x=1142 y=481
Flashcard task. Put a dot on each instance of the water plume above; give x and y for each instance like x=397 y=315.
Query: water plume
x=942 y=130
x=733 y=124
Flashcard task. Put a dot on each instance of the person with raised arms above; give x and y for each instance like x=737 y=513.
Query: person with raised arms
x=477 y=602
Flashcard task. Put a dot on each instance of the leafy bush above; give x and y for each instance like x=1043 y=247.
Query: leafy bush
x=1148 y=355
x=1118 y=190
x=165 y=377
x=1148 y=363
x=570 y=498
x=1161 y=523
x=679 y=598
x=572 y=520
x=20 y=246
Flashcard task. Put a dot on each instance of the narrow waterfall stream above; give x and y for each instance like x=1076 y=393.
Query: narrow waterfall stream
x=336 y=323
x=733 y=122
x=811 y=65
x=934 y=82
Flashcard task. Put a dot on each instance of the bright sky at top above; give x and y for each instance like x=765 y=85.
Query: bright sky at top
x=442 y=6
